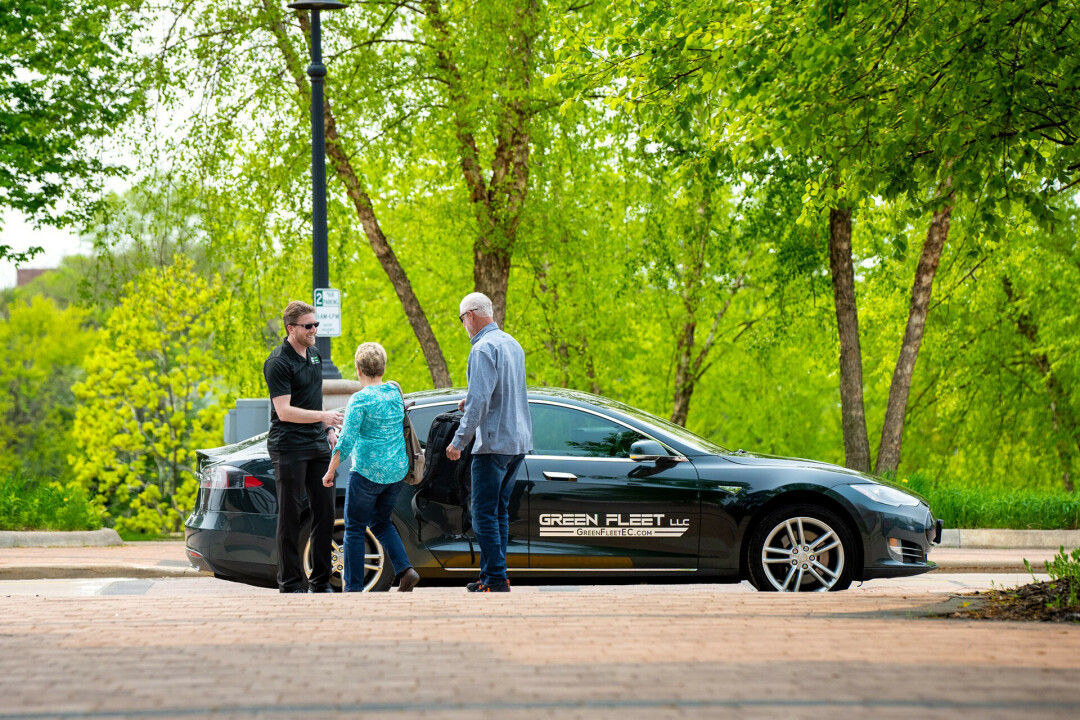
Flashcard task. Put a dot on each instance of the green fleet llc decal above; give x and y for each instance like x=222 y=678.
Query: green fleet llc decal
x=612 y=525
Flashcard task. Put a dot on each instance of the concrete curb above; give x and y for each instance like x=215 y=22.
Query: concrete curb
x=79 y=572
x=87 y=538
x=982 y=539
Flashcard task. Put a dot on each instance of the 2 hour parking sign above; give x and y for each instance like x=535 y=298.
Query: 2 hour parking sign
x=328 y=311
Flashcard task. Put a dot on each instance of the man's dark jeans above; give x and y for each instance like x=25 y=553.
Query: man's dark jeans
x=492 y=484
x=294 y=472
x=369 y=504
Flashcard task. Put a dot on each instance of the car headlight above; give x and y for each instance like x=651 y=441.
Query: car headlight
x=886 y=495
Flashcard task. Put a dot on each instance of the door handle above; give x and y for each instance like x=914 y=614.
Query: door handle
x=566 y=477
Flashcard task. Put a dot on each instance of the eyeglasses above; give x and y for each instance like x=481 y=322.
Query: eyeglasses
x=307 y=326
x=461 y=317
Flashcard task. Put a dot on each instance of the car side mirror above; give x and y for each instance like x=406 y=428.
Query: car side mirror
x=649 y=450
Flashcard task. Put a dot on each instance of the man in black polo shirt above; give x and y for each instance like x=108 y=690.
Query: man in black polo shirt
x=301 y=435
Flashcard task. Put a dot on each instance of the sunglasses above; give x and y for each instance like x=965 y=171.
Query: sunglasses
x=307 y=326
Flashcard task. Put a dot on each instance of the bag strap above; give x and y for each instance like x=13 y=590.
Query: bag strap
x=401 y=393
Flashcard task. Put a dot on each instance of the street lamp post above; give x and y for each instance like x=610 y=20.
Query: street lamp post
x=320 y=262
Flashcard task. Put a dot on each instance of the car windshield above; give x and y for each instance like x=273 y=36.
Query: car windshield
x=675 y=431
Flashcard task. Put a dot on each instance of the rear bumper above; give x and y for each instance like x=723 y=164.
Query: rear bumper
x=234 y=546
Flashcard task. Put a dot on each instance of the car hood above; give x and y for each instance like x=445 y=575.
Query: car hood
x=745 y=458
x=854 y=477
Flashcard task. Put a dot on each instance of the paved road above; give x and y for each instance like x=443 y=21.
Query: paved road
x=198 y=647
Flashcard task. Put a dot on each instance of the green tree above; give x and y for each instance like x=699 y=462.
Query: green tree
x=67 y=82
x=432 y=108
x=41 y=350
x=148 y=400
x=965 y=102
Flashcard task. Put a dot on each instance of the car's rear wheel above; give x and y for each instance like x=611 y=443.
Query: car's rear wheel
x=378 y=571
x=801 y=548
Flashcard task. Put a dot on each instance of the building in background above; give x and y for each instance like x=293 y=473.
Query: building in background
x=25 y=276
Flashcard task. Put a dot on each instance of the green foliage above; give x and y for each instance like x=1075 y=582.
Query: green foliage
x=41 y=351
x=1065 y=566
x=67 y=82
x=18 y=258
x=672 y=149
x=28 y=503
x=886 y=98
x=148 y=400
x=963 y=505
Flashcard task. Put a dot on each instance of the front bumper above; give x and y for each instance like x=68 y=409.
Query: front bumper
x=902 y=545
x=896 y=540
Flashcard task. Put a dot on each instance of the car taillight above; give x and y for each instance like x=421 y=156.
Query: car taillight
x=226 y=477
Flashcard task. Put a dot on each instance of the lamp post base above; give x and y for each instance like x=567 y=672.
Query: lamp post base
x=329 y=370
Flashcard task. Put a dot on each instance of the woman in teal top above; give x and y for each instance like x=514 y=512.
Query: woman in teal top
x=373 y=438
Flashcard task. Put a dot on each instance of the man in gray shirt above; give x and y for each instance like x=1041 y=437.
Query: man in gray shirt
x=497 y=415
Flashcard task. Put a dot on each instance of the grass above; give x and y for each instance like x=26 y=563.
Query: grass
x=43 y=504
x=128 y=536
x=973 y=507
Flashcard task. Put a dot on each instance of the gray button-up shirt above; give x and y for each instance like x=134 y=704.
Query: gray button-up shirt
x=497 y=404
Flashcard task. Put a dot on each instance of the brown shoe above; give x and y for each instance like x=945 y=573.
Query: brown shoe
x=408 y=580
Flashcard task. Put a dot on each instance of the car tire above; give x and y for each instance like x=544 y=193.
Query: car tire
x=823 y=559
x=380 y=572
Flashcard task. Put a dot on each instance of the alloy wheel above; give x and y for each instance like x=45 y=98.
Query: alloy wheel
x=375 y=562
x=803 y=554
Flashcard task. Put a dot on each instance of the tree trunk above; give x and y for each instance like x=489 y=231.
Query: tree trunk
x=497 y=204
x=684 y=349
x=853 y=413
x=491 y=275
x=684 y=380
x=892 y=432
x=429 y=344
x=1066 y=427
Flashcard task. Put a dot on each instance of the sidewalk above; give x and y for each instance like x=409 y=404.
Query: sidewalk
x=129 y=560
x=636 y=652
x=168 y=559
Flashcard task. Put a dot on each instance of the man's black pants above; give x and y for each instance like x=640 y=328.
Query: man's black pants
x=295 y=471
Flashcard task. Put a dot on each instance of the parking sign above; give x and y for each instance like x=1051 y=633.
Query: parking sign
x=328 y=311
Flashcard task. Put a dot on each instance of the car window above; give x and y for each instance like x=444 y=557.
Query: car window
x=561 y=430
x=422 y=418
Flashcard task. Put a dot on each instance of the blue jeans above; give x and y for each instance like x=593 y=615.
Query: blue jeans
x=492 y=484
x=368 y=504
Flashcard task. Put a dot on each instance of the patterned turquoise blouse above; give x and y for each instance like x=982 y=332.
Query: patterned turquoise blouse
x=372 y=434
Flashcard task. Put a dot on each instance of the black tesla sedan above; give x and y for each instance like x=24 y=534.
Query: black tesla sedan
x=607 y=492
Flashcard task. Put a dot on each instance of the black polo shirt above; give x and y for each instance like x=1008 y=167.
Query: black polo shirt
x=287 y=373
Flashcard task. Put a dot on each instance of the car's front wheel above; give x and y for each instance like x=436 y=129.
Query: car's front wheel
x=801 y=548
x=378 y=571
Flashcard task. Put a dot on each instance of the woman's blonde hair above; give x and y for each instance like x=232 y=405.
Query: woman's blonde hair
x=371 y=359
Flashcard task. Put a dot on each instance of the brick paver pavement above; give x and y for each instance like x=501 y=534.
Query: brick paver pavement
x=625 y=652
x=157 y=559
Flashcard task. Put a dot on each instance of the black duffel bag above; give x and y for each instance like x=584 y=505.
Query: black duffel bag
x=446 y=481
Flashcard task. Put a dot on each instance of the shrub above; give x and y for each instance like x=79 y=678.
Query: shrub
x=1064 y=572
x=992 y=507
x=43 y=504
x=148 y=401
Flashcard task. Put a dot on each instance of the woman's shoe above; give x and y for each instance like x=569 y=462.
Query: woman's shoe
x=408 y=580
